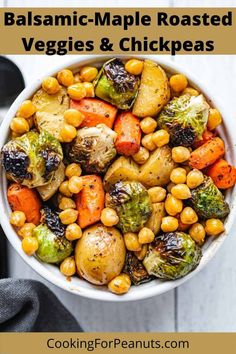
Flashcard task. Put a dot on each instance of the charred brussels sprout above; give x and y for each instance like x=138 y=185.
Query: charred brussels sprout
x=93 y=148
x=208 y=201
x=172 y=256
x=185 y=119
x=132 y=204
x=135 y=269
x=32 y=159
x=116 y=85
x=51 y=219
x=52 y=248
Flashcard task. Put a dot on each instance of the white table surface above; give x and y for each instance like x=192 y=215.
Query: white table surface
x=206 y=302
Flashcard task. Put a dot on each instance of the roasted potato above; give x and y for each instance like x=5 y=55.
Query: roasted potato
x=50 y=110
x=156 y=171
x=123 y=169
x=154 y=222
x=154 y=91
x=48 y=190
x=100 y=254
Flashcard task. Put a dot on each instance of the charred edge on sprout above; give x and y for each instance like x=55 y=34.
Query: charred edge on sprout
x=181 y=136
x=135 y=269
x=16 y=163
x=52 y=161
x=53 y=222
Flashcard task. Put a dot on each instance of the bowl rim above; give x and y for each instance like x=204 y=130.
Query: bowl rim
x=93 y=292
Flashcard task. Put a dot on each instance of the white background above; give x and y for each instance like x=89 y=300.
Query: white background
x=208 y=301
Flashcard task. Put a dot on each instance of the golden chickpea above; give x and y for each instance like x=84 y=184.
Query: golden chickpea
x=134 y=66
x=145 y=235
x=76 y=91
x=27 y=109
x=109 y=217
x=68 y=267
x=29 y=245
x=190 y=91
x=65 y=77
x=214 y=227
x=50 y=85
x=141 y=254
x=178 y=82
x=73 y=169
x=68 y=216
x=157 y=194
x=89 y=89
x=148 y=143
x=73 y=117
x=17 y=218
x=75 y=184
x=173 y=205
x=178 y=175
x=180 y=154
x=67 y=203
x=141 y=156
x=132 y=242
x=19 y=125
x=63 y=189
x=214 y=119
x=181 y=191
x=148 y=125
x=161 y=138
x=197 y=232
x=88 y=73
x=194 y=178
x=67 y=133
x=120 y=284
x=169 y=224
x=170 y=186
x=188 y=216
x=73 y=232
x=26 y=230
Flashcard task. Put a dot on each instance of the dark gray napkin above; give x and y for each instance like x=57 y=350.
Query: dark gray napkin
x=29 y=306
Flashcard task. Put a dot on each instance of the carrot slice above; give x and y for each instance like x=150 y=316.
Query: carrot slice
x=95 y=112
x=223 y=174
x=206 y=136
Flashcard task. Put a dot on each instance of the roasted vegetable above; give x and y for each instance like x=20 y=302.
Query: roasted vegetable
x=135 y=269
x=90 y=201
x=154 y=222
x=132 y=204
x=185 y=119
x=122 y=169
x=222 y=174
x=52 y=248
x=32 y=159
x=50 y=110
x=22 y=198
x=156 y=171
x=116 y=85
x=95 y=112
x=128 y=131
x=208 y=201
x=48 y=190
x=100 y=254
x=50 y=217
x=172 y=256
x=154 y=91
x=93 y=148
x=207 y=153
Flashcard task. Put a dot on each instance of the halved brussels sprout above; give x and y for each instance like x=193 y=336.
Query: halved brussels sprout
x=135 y=269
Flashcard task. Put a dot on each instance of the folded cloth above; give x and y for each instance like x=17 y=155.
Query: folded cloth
x=29 y=306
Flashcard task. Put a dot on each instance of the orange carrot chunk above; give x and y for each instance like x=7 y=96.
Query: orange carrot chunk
x=207 y=154
x=206 y=136
x=95 y=112
x=90 y=201
x=128 y=130
x=22 y=198
x=223 y=174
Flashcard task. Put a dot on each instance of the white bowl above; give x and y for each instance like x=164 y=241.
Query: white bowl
x=81 y=287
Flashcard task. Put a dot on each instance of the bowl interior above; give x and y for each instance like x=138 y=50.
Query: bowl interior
x=81 y=287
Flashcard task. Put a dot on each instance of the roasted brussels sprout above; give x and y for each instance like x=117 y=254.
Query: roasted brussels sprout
x=135 y=269
x=172 y=256
x=93 y=148
x=32 y=159
x=132 y=204
x=185 y=119
x=116 y=85
x=208 y=201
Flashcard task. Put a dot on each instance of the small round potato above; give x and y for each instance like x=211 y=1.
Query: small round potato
x=100 y=254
